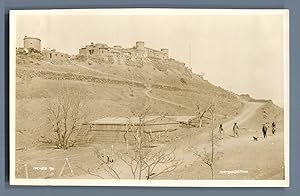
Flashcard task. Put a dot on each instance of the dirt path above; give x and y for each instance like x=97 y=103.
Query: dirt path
x=251 y=160
x=111 y=76
x=96 y=70
x=147 y=93
x=262 y=159
x=183 y=149
x=147 y=90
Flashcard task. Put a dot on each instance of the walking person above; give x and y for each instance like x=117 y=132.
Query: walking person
x=273 y=128
x=264 y=130
x=221 y=131
x=235 y=130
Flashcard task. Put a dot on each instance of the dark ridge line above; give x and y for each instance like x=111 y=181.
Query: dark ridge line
x=54 y=75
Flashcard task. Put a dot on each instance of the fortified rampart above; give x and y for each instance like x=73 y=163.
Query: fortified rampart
x=53 y=54
x=32 y=43
x=117 y=53
x=35 y=43
x=138 y=51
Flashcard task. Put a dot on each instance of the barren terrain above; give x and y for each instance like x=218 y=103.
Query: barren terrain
x=115 y=90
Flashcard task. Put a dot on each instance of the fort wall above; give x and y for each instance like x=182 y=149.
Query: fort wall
x=53 y=54
x=138 y=51
x=32 y=42
x=116 y=52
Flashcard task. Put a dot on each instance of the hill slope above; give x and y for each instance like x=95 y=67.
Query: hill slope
x=115 y=88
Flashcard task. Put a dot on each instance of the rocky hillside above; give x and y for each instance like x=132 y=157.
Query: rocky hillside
x=115 y=88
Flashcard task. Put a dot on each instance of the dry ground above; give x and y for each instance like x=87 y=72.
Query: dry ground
x=262 y=159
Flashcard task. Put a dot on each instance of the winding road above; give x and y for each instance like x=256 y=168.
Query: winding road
x=183 y=148
x=147 y=93
x=202 y=141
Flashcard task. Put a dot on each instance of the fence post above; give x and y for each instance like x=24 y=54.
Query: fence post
x=26 y=170
x=62 y=169
x=112 y=151
x=67 y=160
x=127 y=146
x=64 y=166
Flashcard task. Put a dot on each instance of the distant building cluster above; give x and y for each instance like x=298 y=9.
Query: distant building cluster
x=98 y=49
x=139 y=50
x=34 y=43
x=53 y=54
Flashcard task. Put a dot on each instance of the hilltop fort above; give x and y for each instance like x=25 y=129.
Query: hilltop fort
x=98 y=49
x=34 y=44
x=138 y=51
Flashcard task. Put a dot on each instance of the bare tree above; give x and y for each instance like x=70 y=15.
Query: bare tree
x=201 y=113
x=106 y=164
x=65 y=114
x=210 y=158
x=142 y=162
x=160 y=162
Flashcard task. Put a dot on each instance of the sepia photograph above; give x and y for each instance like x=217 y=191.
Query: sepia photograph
x=149 y=97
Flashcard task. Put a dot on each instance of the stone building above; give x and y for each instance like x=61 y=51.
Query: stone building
x=117 y=52
x=138 y=51
x=95 y=49
x=35 y=43
x=32 y=43
x=53 y=54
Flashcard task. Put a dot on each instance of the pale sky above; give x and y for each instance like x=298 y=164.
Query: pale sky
x=241 y=53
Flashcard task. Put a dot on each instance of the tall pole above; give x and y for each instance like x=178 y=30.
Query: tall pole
x=190 y=54
x=212 y=147
x=212 y=142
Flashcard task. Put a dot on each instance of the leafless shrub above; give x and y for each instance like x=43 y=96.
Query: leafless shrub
x=142 y=162
x=210 y=158
x=65 y=114
x=106 y=163
x=182 y=80
x=200 y=113
x=80 y=58
x=160 y=162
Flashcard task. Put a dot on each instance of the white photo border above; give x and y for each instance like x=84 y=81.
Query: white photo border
x=147 y=183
